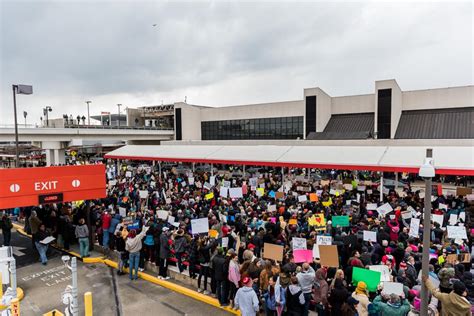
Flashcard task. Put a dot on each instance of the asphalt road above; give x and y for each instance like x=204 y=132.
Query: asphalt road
x=112 y=295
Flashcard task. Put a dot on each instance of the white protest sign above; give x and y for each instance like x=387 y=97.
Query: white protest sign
x=324 y=240
x=47 y=240
x=207 y=185
x=128 y=174
x=171 y=220
x=236 y=193
x=361 y=188
x=191 y=180
x=470 y=197
x=332 y=192
x=443 y=206
x=162 y=214
x=392 y=288
x=406 y=215
x=414 y=227
x=371 y=206
x=253 y=182
x=152 y=184
x=225 y=242
x=199 y=225
x=223 y=192
x=370 y=236
x=302 y=198
x=299 y=243
x=212 y=180
x=272 y=208
x=319 y=192
x=315 y=251
x=457 y=232
x=369 y=191
x=462 y=216
x=453 y=219
x=122 y=211
x=227 y=184
x=438 y=218
x=384 y=209
x=143 y=194
x=112 y=183
x=384 y=272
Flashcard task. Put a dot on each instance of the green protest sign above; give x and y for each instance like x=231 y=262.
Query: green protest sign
x=371 y=278
x=342 y=221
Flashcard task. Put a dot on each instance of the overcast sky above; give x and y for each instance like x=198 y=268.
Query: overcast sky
x=223 y=53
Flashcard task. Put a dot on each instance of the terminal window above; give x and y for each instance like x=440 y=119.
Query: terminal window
x=260 y=128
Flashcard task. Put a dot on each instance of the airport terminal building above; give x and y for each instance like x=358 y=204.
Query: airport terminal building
x=388 y=113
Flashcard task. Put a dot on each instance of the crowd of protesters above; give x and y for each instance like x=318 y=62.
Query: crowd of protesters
x=130 y=224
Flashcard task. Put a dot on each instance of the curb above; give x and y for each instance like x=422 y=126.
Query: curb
x=147 y=277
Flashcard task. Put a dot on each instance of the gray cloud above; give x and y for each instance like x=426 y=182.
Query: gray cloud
x=222 y=53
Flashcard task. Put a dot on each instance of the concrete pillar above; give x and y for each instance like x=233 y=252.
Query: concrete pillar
x=54 y=152
x=49 y=157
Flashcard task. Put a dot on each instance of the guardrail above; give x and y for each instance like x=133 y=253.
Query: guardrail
x=151 y=128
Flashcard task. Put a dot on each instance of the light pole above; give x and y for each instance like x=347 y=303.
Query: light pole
x=88 y=115
x=118 y=119
x=46 y=111
x=427 y=171
x=24 y=115
x=18 y=89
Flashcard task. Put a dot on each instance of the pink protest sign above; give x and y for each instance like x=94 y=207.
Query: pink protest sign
x=301 y=255
x=273 y=220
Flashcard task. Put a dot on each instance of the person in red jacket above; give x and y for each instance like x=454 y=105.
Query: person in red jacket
x=106 y=219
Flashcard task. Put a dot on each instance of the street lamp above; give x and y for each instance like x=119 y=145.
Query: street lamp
x=427 y=172
x=88 y=115
x=118 y=119
x=46 y=111
x=18 y=89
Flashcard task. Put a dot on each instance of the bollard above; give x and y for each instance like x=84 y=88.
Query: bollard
x=88 y=303
x=1 y=285
x=15 y=307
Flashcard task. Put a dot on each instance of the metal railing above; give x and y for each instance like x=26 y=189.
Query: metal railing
x=120 y=127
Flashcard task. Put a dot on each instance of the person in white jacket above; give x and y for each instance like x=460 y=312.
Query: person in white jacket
x=133 y=245
x=246 y=299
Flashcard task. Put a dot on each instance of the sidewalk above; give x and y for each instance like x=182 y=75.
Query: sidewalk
x=98 y=257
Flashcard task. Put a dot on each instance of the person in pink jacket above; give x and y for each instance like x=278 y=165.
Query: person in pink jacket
x=234 y=276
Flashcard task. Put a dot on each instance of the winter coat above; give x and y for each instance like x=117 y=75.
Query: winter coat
x=134 y=244
x=321 y=288
x=247 y=301
x=363 y=304
x=113 y=223
x=218 y=264
x=82 y=231
x=270 y=300
x=294 y=300
x=234 y=273
x=180 y=244
x=306 y=280
x=164 y=246
x=452 y=304
x=387 y=309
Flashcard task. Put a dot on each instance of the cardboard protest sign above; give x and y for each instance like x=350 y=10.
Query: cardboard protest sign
x=457 y=232
x=341 y=221
x=301 y=255
x=438 y=218
x=209 y=196
x=321 y=240
x=302 y=198
x=329 y=256
x=453 y=219
x=452 y=258
x=143 y=194
x=324 y=182
x=370 y=236
x=162 y=214
x=384 y=209
x=313 y=197
x=414 y=227
x=223 y=192
x=463 y=191
x=384 y=272
x=271 y=251
x=279 y=195
x=122 y=211
x=171 y=220
x=199 y=226
x=371 y=206
x=225 y=242
x=371 y=278
x=392 y=288
x=298 y=243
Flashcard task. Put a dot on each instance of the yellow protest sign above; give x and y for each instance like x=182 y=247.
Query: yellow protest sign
x=260 y=192
x=293 y=221
x=213 y=233
x=327 y=203
x=209 y=196
x=317 y=220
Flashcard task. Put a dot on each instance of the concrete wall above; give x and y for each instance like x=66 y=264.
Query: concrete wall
x=190 y=121
x=438 y=98
x=353 y=104
x=396 y=103
x=323 y=109
x=263 y=110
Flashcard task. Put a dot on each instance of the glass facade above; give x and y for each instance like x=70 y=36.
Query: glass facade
x=261 y=128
